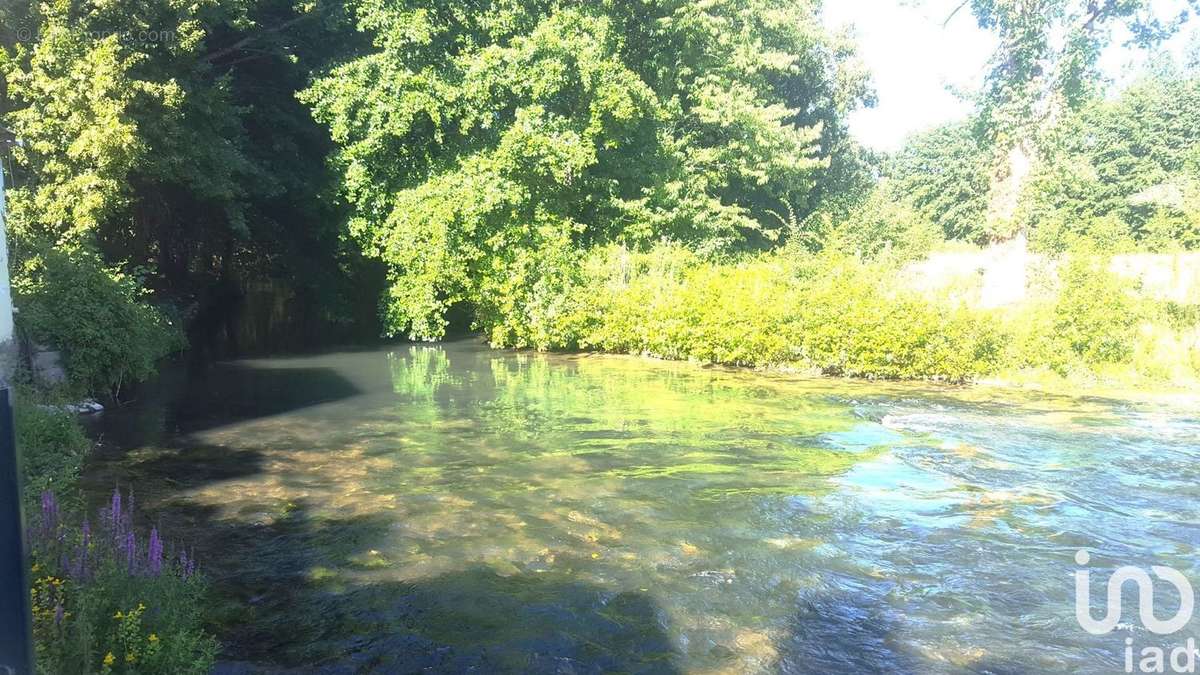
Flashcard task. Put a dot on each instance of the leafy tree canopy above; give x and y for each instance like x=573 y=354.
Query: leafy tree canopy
x=1047 y=56
x=167 y=135
x=944 y=173
x=1129 y=164
x=471 y=136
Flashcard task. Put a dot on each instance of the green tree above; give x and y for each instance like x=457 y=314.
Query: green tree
x=944 y=174
x=1127 y=167
x=1045 y=65
x=168 y=137
x=472 y=136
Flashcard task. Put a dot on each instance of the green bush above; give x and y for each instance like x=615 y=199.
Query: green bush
x=52 y=447
x=1056 y=236
x=535 y=299
x=886 y=225
x=1168 y=230
x=1180 y=316
x=853 y=322
x=1095 y=317
x=1089 y=323
x=740 y=313
x=830 y=312
x=101 y=319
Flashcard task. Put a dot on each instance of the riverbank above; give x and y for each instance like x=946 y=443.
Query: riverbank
x=836 y=314
x=1082 y=386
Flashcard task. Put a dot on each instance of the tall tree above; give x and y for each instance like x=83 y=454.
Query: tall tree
x=168 y=136
x=478 y=138
x=1046 y=64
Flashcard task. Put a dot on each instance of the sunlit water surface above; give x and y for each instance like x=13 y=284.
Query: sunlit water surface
x=455 y=508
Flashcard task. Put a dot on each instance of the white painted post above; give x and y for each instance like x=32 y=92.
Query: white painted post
x=7 y=343
x=16 y=648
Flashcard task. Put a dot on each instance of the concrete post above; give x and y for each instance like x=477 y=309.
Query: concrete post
x=16 y=648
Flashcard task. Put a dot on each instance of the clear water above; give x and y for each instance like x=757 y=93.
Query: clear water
x=454 y=508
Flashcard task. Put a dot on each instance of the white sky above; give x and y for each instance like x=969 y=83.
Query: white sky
x=914 y=60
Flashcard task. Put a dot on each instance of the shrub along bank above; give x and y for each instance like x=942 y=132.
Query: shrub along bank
x=837 y=314
x=106 y=596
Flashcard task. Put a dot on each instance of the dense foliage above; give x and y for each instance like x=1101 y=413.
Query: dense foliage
x=1123 y=170
x=657 y=177
x=475 y=139
x=109 y=331
x=52 y=445
x=838 y=313
x=105 y=597
x=167 y=137
x=833 y=313
x=610 y=176
x=1120 y=173
x=1045 y=65
x=944 y=175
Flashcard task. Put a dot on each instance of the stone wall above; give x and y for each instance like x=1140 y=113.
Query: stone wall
x=1164 y=276
x=1007 y=273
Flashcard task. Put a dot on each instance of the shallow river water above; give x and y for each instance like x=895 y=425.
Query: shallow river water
x=453 y=508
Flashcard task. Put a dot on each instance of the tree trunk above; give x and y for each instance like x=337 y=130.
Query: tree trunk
x=1007 y=184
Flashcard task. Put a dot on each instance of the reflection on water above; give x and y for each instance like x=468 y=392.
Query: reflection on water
x=448 y=508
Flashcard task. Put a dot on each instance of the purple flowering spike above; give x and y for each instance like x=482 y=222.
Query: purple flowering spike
x=80 y=569
x=154 y=553
x=115 y=511
x=58 y=614
x=49 y=511
x=130 y=550
x=189 y=565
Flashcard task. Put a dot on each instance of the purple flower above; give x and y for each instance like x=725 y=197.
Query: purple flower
x=58 y=614
x=49 y=511
x=79 y=569
x=115 y=511
x=130 y=550
x=154 y=553
x=187 y=564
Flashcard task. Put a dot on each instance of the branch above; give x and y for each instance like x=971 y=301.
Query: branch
x=237 y=46
x=954 y=13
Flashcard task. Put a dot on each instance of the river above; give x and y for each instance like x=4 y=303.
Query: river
x=451 y=508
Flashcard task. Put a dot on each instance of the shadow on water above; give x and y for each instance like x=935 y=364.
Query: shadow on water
x=223 y=393
x=189 y=398
x=841 y=632
x=286 y=600
x=282 y=604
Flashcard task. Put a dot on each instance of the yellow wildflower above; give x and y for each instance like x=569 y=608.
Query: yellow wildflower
x=130 y=658
x=109 y=659
x=153 y=637
x=118 y=616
